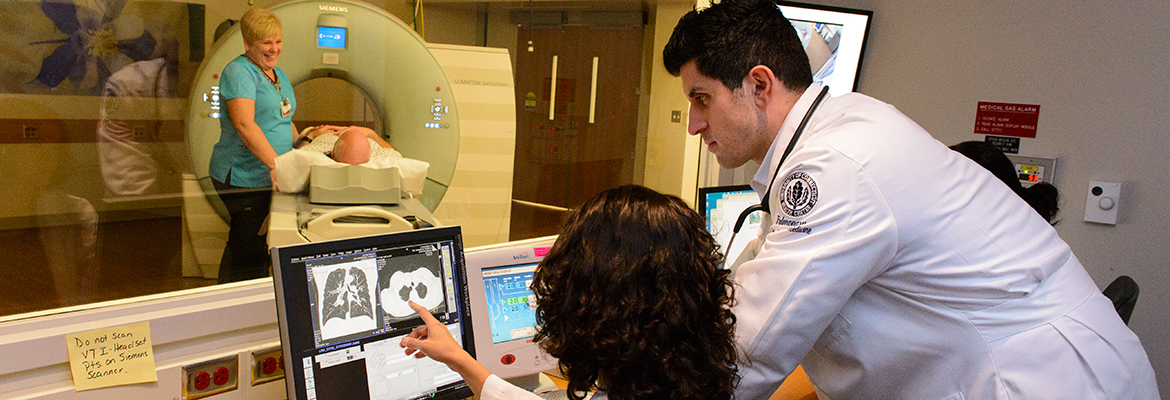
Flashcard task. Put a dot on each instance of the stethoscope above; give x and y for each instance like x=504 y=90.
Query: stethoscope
x=763 y=206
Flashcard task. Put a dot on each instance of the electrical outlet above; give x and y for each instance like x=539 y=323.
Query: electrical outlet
x=139 y=133
x=211 y=377
x=29 y=132
x=267 y=365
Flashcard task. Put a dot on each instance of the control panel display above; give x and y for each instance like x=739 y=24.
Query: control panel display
x=331 y=37
x=1032 y=170
x=511 y=304
x=1030 y=174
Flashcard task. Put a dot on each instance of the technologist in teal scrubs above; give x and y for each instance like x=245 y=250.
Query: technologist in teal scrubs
x=256 y=128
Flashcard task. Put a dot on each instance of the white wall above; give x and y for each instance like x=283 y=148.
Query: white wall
x=1098 y=71
x=671 y=166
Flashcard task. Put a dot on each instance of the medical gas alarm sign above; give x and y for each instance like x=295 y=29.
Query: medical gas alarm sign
x=1007 y=119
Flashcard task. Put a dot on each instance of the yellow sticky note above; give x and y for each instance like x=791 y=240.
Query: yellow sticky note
x=120 y=355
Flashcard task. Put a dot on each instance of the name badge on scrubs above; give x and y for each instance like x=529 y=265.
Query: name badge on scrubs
x=285 y=108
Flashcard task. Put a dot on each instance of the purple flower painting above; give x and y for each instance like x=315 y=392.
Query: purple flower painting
x=70 y=47
x=94 y=44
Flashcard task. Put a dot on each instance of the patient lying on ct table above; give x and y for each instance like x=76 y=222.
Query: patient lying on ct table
x=352 y=145
x=336 y=145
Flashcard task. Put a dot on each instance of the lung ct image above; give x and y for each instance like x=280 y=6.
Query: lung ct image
x=346 y=301
x=415 y=278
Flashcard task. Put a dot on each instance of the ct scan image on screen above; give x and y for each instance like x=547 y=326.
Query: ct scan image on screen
x=344 y=289
x=510 y=302
x=340 y=328
x=412 y=277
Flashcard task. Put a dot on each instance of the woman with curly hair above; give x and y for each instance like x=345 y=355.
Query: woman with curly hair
x=630 y=299
x=1042 y=196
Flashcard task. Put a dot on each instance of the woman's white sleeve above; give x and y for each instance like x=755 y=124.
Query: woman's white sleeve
x=495 y=388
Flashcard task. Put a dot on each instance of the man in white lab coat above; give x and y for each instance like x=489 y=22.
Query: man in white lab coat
x=889 y=266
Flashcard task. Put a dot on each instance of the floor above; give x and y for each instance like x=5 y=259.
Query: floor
x=72 y=264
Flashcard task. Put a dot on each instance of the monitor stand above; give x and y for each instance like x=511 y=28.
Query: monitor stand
x=536 y=383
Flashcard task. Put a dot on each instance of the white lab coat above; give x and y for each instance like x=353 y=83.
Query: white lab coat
x=495 y=388
x=912 y=273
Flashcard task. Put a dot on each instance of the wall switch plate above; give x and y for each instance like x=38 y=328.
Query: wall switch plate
x=267 y=365
x=1102 y=203
x=211 y=377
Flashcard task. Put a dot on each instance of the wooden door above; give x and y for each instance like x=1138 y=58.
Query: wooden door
x=575 y=136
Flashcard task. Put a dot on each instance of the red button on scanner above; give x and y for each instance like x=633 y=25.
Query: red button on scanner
x=508 y=359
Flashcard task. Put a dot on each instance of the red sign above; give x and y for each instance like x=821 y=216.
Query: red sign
x=1006 y=119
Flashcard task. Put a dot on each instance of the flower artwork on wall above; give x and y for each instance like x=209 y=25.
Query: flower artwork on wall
x=71 y=47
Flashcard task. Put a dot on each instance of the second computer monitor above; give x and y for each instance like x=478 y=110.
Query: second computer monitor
x=721 y=206
x=503 y=308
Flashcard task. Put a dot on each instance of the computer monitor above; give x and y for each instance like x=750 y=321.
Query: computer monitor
x=342 y=308
x=834 y=39
x=721 y=205
x=503 y=309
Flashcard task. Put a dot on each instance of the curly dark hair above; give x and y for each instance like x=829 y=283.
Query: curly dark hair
x=631 y=296
x=1043 y=197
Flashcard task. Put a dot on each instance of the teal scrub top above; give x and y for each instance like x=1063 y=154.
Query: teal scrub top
x=242 y=79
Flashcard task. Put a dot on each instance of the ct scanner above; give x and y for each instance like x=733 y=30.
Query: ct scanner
x=378 y=54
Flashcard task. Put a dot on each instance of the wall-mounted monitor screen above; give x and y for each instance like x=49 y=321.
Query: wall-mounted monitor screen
x=331 y=37
x=834 y=39
x=343 y=308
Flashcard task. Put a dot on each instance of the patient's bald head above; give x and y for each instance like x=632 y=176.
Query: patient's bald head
x=352 y=148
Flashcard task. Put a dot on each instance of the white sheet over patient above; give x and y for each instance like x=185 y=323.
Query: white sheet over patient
x=292 y=170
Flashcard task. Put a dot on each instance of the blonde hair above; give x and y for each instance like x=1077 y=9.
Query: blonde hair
x=258 y=23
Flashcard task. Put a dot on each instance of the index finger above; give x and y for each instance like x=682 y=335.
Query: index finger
x=424 y=313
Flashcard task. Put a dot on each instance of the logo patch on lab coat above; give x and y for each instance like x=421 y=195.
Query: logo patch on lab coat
x=799 y=194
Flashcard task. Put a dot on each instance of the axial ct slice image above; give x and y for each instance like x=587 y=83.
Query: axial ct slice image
x=421 y=286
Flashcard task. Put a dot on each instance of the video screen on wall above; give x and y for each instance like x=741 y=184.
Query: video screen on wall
x=834 y=39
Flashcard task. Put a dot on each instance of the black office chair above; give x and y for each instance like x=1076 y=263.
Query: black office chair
x=1123 y=292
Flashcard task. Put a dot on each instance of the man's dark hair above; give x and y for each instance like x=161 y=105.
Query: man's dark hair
x=730 y=38
x=631 y=296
